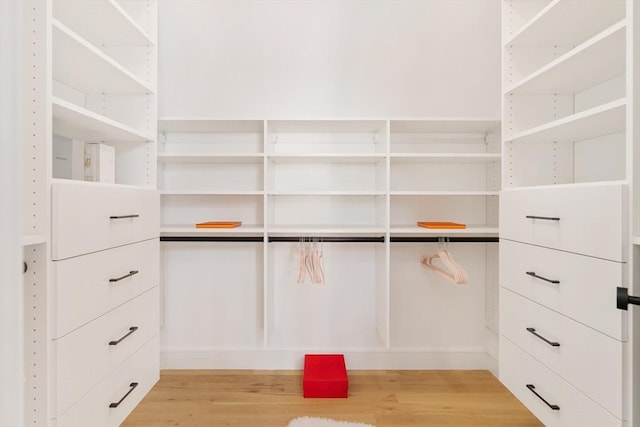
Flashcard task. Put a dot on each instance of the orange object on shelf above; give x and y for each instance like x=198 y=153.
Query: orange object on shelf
x=219 y=224
x=441 y=224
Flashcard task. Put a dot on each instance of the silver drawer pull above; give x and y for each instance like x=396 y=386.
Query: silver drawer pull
x=533 y=274
x=124 y=216
x=532 y=388
x=551 y=343
x=116 y=404
x=548 y=218
x=131 y=330
x=131 y=273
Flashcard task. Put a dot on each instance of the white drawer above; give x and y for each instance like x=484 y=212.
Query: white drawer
x=518 y=369
x=588 y=219
x=587 y=288
x=88 y=355
x=83 y=290
x=87 y=217
x=143 y=369
x=589 y=360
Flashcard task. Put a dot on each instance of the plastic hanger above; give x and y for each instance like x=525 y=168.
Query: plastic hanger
x=310 y=261
x=452 y=271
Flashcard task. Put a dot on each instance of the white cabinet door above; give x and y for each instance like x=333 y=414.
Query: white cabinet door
x=525 y=377
x=125 y=387
x=588 y=219
x=88 y=218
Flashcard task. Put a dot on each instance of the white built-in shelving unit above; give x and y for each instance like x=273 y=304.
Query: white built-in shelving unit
x=91 y=78
x=351 y=185
x=570 y=76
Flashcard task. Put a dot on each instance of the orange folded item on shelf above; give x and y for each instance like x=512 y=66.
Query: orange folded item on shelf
x=440 y=224
x=219 y=224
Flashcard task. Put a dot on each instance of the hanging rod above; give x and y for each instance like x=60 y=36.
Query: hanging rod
x=211 y=239
x=328 y=239
x=379 y=239
x=445 y=239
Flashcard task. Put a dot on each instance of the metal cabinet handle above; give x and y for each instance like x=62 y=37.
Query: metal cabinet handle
x=532 y=388
x=551 y=343
x=124 y=216
x=548 y=218
x=131 y=330
x=623 y=299
x=116 y=404
x=533 y=274
x=131 y=273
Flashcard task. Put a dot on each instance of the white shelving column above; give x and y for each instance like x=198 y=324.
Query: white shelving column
x=569 y=72
x=212 y=170
x=444 y=169
x=327 y=180
x=90 y=77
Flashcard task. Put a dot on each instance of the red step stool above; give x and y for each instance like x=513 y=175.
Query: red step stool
x=325 y=375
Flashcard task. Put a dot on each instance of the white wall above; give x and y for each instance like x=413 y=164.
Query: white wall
x=329 y=58
x=11 y=354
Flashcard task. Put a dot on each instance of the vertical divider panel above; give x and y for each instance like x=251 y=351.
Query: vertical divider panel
x=36 y=337
x=633 y=177
x=266 y=283
x=387 y=240
x=37 y=118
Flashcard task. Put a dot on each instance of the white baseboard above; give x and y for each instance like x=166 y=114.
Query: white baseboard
x=270 y=359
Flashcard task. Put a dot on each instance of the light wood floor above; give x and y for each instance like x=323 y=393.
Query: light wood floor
x=383 y=398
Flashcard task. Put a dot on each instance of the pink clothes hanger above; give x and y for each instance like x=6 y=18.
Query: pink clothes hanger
x=452 y=271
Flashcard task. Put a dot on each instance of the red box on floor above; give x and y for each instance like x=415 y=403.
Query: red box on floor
x=325 y=375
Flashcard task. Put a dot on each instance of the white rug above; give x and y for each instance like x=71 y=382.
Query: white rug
x=323 y=422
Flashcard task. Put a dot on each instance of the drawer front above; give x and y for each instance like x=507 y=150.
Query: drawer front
x=589 y=360
x=587 y=288
x=86 y=287
x=88 y=218
x=587 y=219
x=143 y=369
x=518 y=369
x=88 y=355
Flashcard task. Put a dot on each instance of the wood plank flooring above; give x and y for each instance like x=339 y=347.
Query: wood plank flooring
x=196 y=398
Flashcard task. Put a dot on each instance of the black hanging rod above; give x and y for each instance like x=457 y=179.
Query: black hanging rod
x=328 y=239
x=445 y=239
x=211 y=239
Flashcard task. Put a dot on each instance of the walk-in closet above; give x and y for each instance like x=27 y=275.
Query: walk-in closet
x=199 y=194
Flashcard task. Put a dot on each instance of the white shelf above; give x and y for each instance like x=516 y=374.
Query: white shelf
x=36 y=239
x=445 y=157
x=101 y=21
x=329 y=125
x=567 y=23
x=309 y=230
x=191 y=230
x=78 y=64
x=604 y=119
x=211 y=157
x=205 y=125
x=75 y=122
x=636 y=240
x=598 y=59
x=471 y=229
x=212 y=193
x=326 y=193
x=444 y=126
x=327 y=158
x=444 y=193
